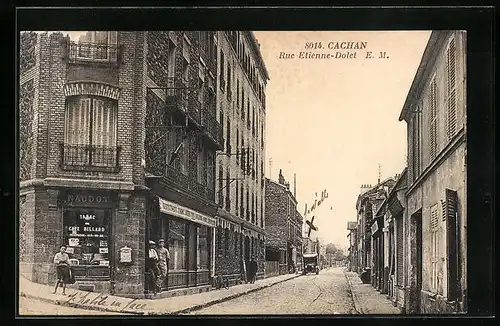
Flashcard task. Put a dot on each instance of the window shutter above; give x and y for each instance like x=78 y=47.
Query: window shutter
x=453 y=246
x=433 y=119
x=451 y=89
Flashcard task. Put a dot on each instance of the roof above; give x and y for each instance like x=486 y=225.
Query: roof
x=256 y=48
x=284 y=188
x=428 y=58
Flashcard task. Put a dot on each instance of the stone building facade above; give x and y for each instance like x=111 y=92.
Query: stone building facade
x=241 y=111
x=283 y=224
x=351 y=251
x=118 y=144
x=81 y=179
x=436 y=213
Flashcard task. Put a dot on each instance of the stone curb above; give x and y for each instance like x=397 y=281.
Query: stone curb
x=216 y=301
x=135 y=312
x=357 y=305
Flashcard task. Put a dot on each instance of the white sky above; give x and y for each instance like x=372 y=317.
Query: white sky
x=333 y=121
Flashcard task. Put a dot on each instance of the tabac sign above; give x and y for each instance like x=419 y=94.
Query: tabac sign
x=174 y=209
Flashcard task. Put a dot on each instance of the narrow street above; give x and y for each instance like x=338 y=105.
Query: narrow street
x=326 y=293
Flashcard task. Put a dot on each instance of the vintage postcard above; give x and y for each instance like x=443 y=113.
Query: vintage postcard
x=242 y=172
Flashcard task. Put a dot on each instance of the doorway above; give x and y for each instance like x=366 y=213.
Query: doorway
x=416 y=261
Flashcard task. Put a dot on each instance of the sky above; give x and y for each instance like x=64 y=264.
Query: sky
x=333 y=121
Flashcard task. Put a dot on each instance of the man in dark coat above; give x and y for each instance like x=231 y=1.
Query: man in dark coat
x=253 y=270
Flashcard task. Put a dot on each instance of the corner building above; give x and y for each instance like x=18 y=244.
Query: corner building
x=241 y=111
x=118 y=142
x=81 y=179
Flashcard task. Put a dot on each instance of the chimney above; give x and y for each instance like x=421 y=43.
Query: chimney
x=295 y=185
x=281 y=179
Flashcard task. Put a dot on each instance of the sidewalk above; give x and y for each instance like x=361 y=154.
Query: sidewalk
x=166 y=306
x=367 y=300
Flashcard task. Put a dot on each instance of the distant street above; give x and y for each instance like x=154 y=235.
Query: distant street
x=326 y=293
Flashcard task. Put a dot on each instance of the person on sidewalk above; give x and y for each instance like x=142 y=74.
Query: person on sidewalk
x=61 y=260
x=152 y=266
x=164 y=258
x=253 y=270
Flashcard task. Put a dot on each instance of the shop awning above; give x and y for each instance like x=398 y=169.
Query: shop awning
x=185 y=213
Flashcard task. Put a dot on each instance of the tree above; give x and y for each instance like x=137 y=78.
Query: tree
x=334 y=253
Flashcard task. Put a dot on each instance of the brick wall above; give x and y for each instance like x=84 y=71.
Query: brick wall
x=26 y=98
x=276 y=215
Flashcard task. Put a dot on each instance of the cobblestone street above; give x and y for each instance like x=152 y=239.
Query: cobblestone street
x=326 y=293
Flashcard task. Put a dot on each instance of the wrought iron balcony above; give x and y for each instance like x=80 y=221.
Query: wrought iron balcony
x=194 y=109
x=213 y=129
x=183 y=181
x=94 y=52
x=90 y=157
x=177 y=93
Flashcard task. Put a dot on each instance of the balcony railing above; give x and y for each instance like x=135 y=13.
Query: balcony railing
x=213 y=129
x=177 y=93
x=183 y=181
x=90 y=157
x=94 y=52
x=194 y=109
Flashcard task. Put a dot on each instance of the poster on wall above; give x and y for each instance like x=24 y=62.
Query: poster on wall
x=73 y=242
x=103 y=250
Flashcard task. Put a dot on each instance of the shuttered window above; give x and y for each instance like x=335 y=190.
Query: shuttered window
x=434 y=247
x=453 y=245
x=237 y=208
x=433 y=118
x=451 y=93
x=399 y=252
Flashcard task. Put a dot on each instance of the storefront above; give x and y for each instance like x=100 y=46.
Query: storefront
x=87 y=233
x=189 y=237
x=377 y=254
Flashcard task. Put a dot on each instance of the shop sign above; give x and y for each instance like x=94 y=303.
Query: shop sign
x=125 y=255
x=85 y=198
x=174 y=209
x=374 y=227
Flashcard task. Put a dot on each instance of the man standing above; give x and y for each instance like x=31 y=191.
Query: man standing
x=164 y=258
x=253 y=270
x=152 y=266
x=61 y=260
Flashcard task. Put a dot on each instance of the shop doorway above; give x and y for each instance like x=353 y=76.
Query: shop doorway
x=416 y=260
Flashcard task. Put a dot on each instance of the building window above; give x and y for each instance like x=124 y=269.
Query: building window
x=177 y=244
x=201 y=165
x=86 y=235
x=416 y=154
x=237 y=198
x=451 y=93
x=237 y=146
x=228 y=190
x=434 y=247
x=221 y=185
x=228 y=136
x=203 y=247
x=90 y=132
x=222 y=71
x=242 y=206
x=433 y=118
x=228 y=81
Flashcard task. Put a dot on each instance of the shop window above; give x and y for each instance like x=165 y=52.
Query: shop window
x=177 y=245
x=203 y=247
x=86 y=235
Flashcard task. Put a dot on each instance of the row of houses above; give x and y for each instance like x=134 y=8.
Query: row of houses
x=409 y=238
x=129 y=137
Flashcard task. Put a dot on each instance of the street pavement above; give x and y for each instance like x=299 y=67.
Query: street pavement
x=30 y=306
x=327 y=293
